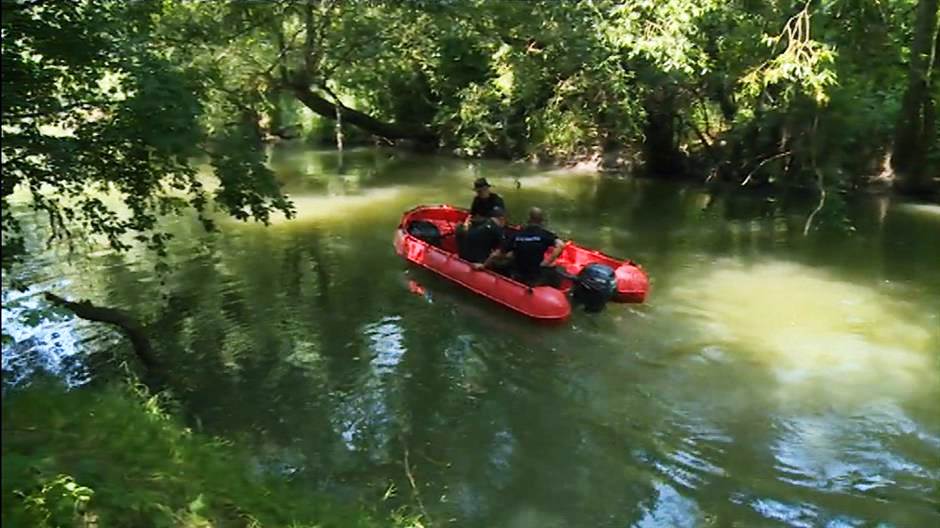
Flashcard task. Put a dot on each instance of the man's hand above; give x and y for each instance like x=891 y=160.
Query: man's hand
x=477 y=266
x=550 y=261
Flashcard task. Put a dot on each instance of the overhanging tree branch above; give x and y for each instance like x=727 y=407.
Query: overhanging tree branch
x=123 y=321
x=761 y=164
x=392 y=131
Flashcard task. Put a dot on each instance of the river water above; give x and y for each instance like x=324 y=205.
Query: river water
x=772 y=378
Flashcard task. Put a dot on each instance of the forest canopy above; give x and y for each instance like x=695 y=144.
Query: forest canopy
x=120 y=97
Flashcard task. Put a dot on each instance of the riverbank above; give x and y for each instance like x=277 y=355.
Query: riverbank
x=113 y=457
x=764 y=176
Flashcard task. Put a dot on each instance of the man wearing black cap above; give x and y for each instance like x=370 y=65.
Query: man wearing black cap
x=482 y=208
x=485 y=200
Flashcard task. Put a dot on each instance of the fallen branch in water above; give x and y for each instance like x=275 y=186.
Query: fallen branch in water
x=414 y=489
x=822 y=202
x=761 y=164
x=819 y=180
x=125 y=322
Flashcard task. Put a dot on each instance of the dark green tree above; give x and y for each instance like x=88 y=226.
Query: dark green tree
x=916 y=134
x=92 y=109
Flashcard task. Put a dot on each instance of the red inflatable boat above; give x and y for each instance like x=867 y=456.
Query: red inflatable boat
x=544 y=303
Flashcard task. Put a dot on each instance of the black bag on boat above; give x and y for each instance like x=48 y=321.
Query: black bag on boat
x=426 y=231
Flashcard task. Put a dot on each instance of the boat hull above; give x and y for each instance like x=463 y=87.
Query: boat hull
x=544 y=303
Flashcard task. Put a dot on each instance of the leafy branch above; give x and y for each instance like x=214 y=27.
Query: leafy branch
x=804 y=62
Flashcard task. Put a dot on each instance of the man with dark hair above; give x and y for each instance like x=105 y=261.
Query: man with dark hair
x=527 y=250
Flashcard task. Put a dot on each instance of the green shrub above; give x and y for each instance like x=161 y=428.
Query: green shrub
x=104 y=457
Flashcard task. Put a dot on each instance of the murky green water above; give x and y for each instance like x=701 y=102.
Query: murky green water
x=771 y=379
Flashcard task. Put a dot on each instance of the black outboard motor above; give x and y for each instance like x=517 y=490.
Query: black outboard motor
x=426 y=231
x=594 y=286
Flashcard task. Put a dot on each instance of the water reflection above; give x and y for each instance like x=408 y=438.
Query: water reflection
x=928 y=211
x=839 y=453
x=368 y=415
x=772 y=378
x=822 y=338
x=798 y=515
x=692 y=462
x=669 y=508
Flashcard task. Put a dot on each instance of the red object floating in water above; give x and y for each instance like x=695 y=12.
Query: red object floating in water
x=415 y=288
x=544 y=303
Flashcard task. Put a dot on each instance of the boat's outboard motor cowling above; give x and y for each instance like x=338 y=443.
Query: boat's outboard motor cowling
x=426 y=231
x=595 y=286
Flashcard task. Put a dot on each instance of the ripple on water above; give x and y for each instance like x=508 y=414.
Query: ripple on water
x=855 y=454
x=692 y=446
x=41 y=340
x=365 y=416
x=387 y=342
x=669 y=508
x=466 y=368
x=502 y=449
x=796 y=515
x=799 y=515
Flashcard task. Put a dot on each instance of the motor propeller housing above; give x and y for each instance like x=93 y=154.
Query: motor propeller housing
x=594 y=286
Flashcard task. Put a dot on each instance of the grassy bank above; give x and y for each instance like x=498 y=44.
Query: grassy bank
x=108 y=457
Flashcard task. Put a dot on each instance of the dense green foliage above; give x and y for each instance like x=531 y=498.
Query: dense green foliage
x=119 y=97
x=726 y=85
x=109 y=106
x=97 y=457
x=91 y=107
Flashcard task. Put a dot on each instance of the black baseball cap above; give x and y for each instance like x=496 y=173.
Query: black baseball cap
x=497 y=212
x=480 y=183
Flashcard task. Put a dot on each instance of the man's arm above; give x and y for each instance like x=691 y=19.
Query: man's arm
x=473 y=211
x=497 y=253
x=501 y=252
x=559 y=247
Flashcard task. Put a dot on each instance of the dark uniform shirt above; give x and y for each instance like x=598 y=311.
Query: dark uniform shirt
x=484 y=206
x=482 y=239
x=528 y=247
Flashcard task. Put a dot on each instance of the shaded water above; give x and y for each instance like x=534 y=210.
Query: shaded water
x=771 y=379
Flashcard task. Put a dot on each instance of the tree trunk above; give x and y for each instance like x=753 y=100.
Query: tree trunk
x=339 y=135
x=391 y=131
x=915 y=132
x=662 y=152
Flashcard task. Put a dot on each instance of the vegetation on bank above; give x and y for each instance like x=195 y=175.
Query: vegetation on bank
x=121 y=95
x=105 y=104
x=112 y=457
